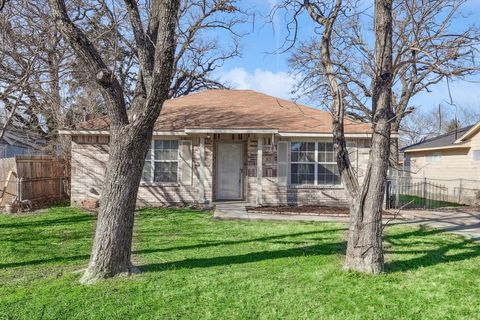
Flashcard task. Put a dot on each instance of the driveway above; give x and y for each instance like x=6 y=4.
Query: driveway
x=465 y=222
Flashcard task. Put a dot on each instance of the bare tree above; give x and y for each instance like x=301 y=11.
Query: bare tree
x=174 y=56
x=2 y=4
x=427 y=123
x=426 y=50
x=364 y=248
x=38 y=66
x=58 y=92
x=198 y=56
x=117 y=46
x=155 y=45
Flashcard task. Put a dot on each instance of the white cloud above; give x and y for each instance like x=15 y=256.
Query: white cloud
x=278 y=84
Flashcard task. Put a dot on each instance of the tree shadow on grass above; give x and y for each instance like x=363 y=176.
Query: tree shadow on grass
x=306 y=251
x=146 y=251
x=43 y=261
x=49 y=222
x=235 y=242
x=443 y=251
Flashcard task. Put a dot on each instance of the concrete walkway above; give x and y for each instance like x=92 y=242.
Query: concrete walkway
x=462 y=222
x=465 y=222
x=236 y=210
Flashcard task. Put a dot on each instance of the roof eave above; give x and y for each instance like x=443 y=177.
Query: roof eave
x=453 y=146
x=328 y=134
x=469 y=133
x=232 y=130
x=229 y=130
x=107 y=132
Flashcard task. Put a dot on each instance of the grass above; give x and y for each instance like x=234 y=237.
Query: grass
x=197 y=268
x=416 y=201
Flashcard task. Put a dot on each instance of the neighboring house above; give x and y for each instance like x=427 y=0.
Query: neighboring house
x=228 y=145
x=18 y=142
x=451 y=159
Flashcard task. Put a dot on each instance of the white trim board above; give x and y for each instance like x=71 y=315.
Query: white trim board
x=223 y=130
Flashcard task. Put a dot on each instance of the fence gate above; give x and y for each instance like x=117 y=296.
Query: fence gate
x=416 y=193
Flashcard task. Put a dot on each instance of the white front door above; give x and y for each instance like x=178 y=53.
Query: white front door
x=229 y=171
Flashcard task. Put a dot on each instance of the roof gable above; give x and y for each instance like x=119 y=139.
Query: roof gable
x=470 y=133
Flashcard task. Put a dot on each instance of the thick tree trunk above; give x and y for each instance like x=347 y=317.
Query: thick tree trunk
x=394 y=146
x=364 y=249
x=129 y=139
x=111 y=253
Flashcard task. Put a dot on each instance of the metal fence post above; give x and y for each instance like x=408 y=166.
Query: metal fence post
x=460 y=191
x=397 y=191
x=424 y=193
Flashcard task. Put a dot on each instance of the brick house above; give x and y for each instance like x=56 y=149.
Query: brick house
x=228 y=145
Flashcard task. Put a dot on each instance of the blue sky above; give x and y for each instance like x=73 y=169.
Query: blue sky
x=264 y=71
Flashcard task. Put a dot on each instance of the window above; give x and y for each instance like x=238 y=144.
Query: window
x=161 y=163
x=476 y=155
x=303 y=163
x=407 y=162
x=313 y=163
x=435 y=157
x=327 y=164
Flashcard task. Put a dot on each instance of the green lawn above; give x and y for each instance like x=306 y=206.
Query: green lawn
x=419 y=202
x=197 y=268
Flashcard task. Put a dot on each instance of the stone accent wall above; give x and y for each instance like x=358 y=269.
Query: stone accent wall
x=90 y=155
x=88 y=165
x=88 y=172
x=273 y=194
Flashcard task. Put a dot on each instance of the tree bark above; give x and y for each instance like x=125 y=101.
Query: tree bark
x=129 y=139
x=394 y=145
x=111 y=253
x=364 y=248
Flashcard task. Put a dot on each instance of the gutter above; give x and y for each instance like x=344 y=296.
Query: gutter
x=328 y=135
x=228 y=131
x=461 y=146
x=106 y=133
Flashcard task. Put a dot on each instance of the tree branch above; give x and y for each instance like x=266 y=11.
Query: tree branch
x=110 y=87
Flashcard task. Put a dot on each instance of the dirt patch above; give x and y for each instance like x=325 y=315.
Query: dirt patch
x=308 y=210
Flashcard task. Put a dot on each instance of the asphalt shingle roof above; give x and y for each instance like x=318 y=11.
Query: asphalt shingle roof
x=239 y=109
x=443 y=140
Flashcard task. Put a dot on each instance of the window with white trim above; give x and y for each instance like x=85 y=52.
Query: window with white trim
x=161 y=163
x=476 y=155
x=313 y=163
x=435 y=157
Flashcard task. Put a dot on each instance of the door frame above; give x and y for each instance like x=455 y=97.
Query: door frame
x=242 y=168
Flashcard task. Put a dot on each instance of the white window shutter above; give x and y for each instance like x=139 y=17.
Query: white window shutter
x=282 y=163
x=185 y=162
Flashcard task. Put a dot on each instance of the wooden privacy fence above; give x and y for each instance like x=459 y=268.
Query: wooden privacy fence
x=39 y=179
